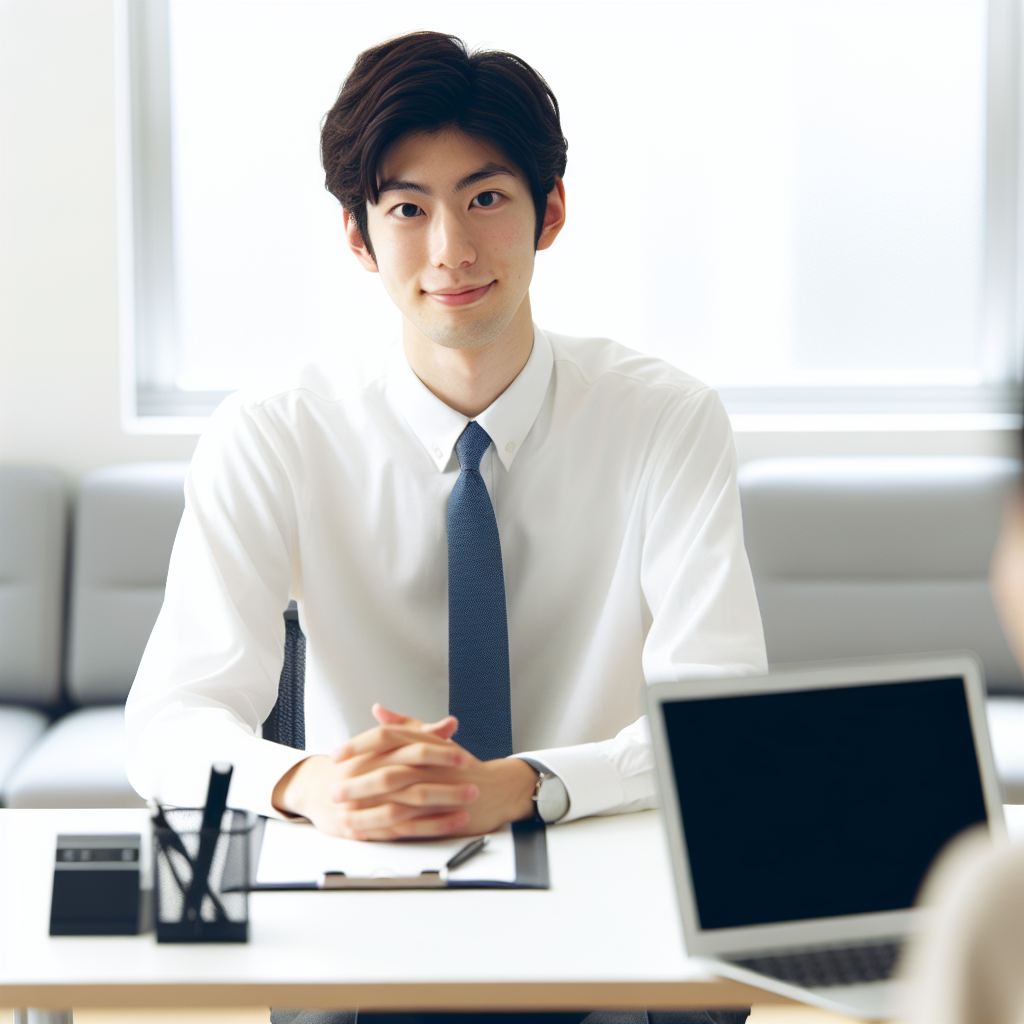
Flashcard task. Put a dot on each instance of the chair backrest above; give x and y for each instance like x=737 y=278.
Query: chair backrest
x=33 y=547
x=286 y=722
x=126 y=519
x=877 y=556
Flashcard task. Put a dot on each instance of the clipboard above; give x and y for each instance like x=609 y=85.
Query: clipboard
x=529 y=840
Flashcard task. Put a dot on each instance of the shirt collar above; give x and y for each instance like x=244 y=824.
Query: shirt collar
x=507 y=419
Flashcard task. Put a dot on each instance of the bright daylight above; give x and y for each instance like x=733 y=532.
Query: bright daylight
x=511 y=511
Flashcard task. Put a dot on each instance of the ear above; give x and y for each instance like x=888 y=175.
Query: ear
x=356 y=243
x=554 y=215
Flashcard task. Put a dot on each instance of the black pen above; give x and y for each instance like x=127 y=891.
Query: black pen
x=471 y=849
x=161 y=822
x=216 y=802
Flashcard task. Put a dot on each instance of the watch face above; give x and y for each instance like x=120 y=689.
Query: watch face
x=552 y=800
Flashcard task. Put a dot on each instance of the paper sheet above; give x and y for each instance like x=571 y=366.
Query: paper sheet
x=293 y=853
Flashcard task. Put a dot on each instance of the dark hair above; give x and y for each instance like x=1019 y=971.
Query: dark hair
x=430 y=82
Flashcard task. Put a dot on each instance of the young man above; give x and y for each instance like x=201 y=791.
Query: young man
x=495 y=541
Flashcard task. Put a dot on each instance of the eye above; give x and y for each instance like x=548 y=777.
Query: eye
x=406 y=211
x=486 y=199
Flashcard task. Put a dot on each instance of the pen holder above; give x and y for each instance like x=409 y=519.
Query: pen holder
x=187 y=910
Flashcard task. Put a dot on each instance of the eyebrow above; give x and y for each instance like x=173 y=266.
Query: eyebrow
x=490 y=170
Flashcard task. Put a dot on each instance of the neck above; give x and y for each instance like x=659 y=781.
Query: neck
x=468 y=380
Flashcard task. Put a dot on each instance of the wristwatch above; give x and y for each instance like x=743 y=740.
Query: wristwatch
x=550 y=799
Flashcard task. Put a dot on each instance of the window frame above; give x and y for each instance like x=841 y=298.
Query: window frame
x=152 y=402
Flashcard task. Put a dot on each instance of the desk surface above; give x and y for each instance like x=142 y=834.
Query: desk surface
x=606 y=934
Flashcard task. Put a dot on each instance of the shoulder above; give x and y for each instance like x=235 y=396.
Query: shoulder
x=601 y=361
x=625 y=381
x=283 y=398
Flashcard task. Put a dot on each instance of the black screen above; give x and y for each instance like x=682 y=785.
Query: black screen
x=821 y=802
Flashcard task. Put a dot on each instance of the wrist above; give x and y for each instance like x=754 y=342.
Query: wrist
x=292 y=791
x=521 y=782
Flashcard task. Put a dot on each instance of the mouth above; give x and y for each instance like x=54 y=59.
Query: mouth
x=461 y=296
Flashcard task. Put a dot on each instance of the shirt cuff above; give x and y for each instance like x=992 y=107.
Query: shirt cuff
x=593 y=784
x=176 y=766
x=261 y=772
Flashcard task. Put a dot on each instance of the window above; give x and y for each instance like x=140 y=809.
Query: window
x=810 y=204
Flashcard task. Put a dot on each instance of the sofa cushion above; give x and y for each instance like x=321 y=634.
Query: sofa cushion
x=32 y=554
x=19 y=729
x=79 y=762
x=126 y=519
x=856 y=556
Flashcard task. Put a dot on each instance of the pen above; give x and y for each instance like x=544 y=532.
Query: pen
x=216 y=802
x=471 y=849
x=161 y=822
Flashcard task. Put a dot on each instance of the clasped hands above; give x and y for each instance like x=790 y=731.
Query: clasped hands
x=406 y=779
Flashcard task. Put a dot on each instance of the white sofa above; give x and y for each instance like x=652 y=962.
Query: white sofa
x=857 y=557
x=850 y=557
x=33 y=527
x=125 y=521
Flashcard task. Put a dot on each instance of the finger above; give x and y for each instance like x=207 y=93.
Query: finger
x=436 y=794
x=429 y=755
x=386 y=738
x=388 y=717
x=446 y=728
x=405 y=786
x=423 y=827
x=417 y=763
x=378 y=782
x=382 y=816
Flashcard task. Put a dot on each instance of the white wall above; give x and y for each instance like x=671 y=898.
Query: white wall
x=59 y=355
x=59 y=345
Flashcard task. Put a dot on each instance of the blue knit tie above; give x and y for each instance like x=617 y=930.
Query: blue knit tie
x=479 y=686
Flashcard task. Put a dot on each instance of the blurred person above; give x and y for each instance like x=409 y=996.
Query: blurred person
x=967 y=967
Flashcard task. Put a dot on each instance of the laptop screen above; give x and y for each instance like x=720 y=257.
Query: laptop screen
x=819 y=803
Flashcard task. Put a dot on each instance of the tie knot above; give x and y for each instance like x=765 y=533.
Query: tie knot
x=471 y=445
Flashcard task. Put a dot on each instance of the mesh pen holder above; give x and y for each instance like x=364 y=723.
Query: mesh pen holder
x=190 y=912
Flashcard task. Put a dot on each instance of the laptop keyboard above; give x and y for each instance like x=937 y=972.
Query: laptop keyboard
x=819 y=968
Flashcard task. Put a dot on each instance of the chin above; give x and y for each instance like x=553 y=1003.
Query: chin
x=467 y=332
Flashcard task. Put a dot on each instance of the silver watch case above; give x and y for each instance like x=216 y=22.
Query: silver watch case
x=550 y=798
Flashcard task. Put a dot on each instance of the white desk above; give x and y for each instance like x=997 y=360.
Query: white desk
x=606 y=935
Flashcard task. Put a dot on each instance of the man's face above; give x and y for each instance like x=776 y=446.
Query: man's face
x=453 y=235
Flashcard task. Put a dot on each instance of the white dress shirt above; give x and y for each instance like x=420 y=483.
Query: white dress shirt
x=613 y=479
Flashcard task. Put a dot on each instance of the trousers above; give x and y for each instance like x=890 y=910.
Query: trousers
x=597 y=1017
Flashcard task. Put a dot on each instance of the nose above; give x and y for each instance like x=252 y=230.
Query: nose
x=450 y=242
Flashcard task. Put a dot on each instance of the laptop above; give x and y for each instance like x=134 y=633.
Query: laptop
x=804 y=808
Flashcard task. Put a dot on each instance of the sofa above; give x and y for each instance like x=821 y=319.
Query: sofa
x=855 y=557
x=124 y=525
x=850 y=557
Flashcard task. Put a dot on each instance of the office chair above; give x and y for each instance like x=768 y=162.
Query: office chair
x=286 y=723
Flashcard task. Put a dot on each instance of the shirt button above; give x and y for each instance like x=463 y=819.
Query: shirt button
x=511 y=446
x=437 y=453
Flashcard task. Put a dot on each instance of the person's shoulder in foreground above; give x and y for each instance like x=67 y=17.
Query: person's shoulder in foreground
x=518 y=527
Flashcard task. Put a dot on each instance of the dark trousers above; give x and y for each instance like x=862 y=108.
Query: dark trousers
x=598 y=1017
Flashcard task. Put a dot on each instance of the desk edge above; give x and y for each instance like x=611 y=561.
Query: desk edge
x=481 y=996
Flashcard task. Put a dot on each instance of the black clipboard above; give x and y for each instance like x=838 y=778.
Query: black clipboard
x=529 y=840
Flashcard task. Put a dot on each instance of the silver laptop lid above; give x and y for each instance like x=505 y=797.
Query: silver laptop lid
x=803 y=808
